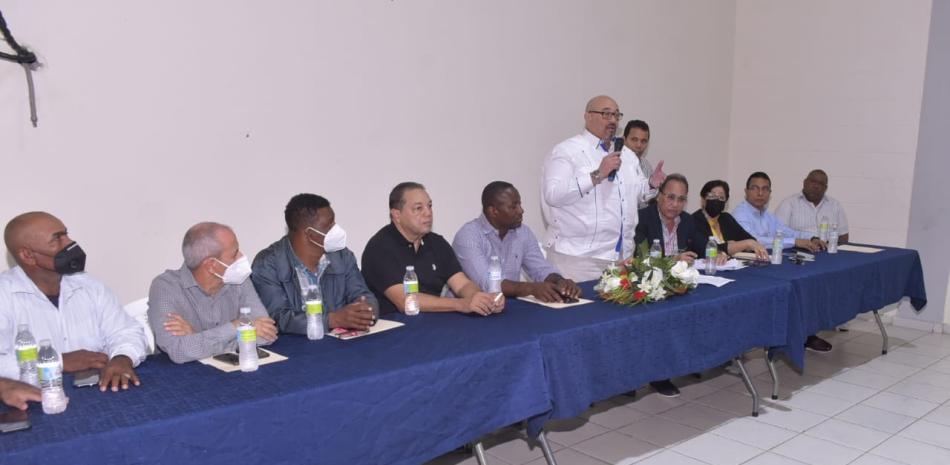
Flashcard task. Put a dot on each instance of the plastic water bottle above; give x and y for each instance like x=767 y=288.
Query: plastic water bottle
x=823 y=229
x=26 y=353
x=314 y=304
x=410 y=286
x=50 y=368
x=655 y=250
x=247 y=341
x=712 y=251
x=833 y=239
x=777 y=247
x=494 y=275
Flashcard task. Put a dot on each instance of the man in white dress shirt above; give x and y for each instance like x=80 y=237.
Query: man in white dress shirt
x=49 y=291
x=590 y=213
x=636 y=138
x=805 y=210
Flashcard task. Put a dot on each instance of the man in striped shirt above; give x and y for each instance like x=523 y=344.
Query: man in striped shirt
x=806 y=210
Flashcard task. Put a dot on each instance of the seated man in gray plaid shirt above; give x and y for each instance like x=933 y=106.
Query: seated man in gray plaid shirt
x=194 y=310
x=498 y=232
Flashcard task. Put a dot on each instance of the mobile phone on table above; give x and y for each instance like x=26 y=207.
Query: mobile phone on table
x=14 y=420
x=86 y=378
x=232 y=358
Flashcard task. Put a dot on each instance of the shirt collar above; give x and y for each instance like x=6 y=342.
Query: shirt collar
x=801 y=195
x=401 y=240
x=186 y=277
x=23 y=284
x=488 y=229
x=591 y=139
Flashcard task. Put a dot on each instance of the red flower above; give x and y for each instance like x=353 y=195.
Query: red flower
x=625 y=283
x=639 y=295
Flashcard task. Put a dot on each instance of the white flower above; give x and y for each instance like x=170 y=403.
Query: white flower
x=658 y=293
x=682 y=271
x=633 y=277
x=611 y=283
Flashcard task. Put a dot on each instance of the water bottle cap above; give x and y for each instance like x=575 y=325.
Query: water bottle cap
x=22 y=327
x=245 y=310
x=45 y=343
x=494 y=257
x=410 y=268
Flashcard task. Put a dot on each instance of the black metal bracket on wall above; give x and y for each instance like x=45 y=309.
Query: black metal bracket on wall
x=24 y=58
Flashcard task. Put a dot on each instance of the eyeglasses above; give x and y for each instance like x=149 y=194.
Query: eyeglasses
x=760 y=188
x=608 y=114
x=674 y=198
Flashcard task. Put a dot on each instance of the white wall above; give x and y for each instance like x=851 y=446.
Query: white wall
x=156 y=115
x=833 y=85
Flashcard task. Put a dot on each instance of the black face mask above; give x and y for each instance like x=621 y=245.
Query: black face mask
x=70 y=260
x=714 y=207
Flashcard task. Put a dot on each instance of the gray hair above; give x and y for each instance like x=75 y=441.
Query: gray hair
x=201 y=242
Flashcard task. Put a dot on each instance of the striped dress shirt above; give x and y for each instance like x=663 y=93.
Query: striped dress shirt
x=798 y=213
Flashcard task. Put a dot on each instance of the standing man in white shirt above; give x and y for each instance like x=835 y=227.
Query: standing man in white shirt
x=805 y=210
x=636 y=138
x=49 y=291
x=590 y=196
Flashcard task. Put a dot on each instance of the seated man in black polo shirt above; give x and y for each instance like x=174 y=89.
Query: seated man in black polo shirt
x=408 y=240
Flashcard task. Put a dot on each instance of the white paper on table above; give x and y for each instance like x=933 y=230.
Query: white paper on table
x=717 y=281
x=731 y=265
x=380 y=326
x=228 y=368
x=858 y=248
x=558 y=305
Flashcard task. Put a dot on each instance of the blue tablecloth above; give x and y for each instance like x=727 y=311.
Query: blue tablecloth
x=400 y=397
x=835 y=288
x=411 y=394
x=600 y=350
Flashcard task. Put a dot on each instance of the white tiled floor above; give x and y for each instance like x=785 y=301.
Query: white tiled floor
x=852 y=406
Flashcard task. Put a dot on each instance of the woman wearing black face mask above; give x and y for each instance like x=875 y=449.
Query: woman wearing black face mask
x=712 y=220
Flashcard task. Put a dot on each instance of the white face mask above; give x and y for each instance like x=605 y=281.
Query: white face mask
x=237 y=272
x=333 y=240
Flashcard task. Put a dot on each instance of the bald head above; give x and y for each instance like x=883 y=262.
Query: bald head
x=601 y=117
x=27 y=229
x=599 y=102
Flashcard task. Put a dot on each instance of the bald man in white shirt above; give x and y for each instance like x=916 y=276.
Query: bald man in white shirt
x=590 y=215
x=49 y=291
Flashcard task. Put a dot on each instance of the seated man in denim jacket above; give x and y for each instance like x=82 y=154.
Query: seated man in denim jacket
x=313 y=252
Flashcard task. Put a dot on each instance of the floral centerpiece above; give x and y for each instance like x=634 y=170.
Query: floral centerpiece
x=641 y=279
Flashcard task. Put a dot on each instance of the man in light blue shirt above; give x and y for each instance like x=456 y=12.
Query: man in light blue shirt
x=753 y=215
x=499 y=231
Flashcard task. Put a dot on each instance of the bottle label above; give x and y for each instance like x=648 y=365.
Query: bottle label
x=712 y=252
x=247 y=334
x=410 y=287
x=315 y=307
x=26 y=354
x=50 y=371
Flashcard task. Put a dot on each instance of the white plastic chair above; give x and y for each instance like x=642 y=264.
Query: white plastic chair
x=138 y=309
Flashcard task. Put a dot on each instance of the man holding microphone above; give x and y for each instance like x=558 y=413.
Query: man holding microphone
x=590 y=195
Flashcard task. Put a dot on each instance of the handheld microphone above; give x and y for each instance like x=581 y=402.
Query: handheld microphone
x=618 y=146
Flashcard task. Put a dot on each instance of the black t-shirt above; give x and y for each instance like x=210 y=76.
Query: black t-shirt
x=388 y=253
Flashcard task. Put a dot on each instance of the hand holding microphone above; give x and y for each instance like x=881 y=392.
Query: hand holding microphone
x=618 y=146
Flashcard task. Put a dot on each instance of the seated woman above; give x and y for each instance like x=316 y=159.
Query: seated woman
x=712 y=220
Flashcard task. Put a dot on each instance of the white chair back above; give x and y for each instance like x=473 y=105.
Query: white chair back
x=138 y=309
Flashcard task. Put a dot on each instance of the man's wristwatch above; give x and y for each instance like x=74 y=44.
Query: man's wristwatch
x=595 y=176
